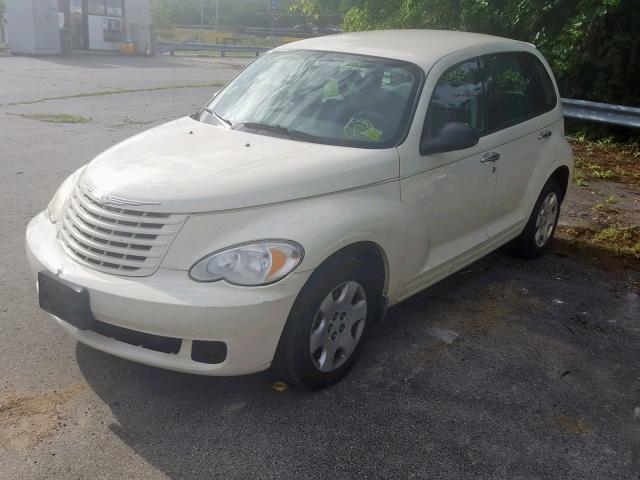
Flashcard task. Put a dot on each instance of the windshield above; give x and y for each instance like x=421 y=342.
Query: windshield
x=323 y=97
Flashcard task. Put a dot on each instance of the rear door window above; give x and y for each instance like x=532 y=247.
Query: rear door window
x=518 y=88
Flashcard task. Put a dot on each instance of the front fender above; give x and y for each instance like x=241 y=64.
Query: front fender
x=322 y=225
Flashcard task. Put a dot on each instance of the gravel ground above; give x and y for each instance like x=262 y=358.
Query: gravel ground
x=510 y=369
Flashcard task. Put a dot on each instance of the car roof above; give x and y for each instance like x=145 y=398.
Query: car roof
x=422 y=47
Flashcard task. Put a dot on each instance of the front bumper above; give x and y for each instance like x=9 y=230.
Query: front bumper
x=169 y=304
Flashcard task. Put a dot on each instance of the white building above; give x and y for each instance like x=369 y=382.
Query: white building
x=40 y=27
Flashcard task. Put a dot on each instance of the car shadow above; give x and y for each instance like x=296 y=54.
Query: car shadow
x=476 y=363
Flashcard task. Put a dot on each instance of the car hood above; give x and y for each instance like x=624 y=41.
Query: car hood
x=186 y=166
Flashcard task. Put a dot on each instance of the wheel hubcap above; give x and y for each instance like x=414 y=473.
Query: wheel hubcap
x=546 y=221
x=338 y=326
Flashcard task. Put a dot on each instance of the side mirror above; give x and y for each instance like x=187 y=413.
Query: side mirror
x=453 y=136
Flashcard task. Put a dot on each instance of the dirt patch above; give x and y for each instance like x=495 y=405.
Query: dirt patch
x=602 y=208
x=429 y=354
x=27 y=420
x=574 y=426
x=606 y=160
x=492 y=316
x=500 y=304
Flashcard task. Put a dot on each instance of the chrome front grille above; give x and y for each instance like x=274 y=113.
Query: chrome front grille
x=114 y=239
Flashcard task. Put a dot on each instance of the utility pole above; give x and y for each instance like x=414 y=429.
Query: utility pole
x=202 y=22
x=216 y=16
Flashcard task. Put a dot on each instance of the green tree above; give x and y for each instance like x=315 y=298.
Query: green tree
x=592 y=45
x=231 y=13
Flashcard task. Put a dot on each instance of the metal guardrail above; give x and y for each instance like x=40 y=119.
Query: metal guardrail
x=601 y=113
x=163 y=47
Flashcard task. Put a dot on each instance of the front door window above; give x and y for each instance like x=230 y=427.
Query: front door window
x=456 y=98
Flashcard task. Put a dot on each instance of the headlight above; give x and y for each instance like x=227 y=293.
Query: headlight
x=54 y=209
x=252 y=264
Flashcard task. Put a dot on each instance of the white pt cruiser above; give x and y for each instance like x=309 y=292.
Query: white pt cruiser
x=330 y=179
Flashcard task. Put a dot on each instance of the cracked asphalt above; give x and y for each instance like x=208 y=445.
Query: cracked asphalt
x=510 y=369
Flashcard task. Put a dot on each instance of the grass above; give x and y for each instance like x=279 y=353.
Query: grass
x=594 y=170
x=620 y=241
x=606 y=159
x=580 y=181
x=117 y=91
x=54 y=117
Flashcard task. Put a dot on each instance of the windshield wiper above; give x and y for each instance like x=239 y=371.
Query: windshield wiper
x=218 y=116
x=292 y=134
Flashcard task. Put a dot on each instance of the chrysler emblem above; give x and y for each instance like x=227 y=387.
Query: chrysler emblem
x=107 y=198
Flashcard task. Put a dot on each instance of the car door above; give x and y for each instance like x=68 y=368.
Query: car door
x=519 y=92
x=447 y=196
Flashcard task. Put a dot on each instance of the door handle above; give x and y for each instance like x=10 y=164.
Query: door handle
x=490 y=157
x=544 y=134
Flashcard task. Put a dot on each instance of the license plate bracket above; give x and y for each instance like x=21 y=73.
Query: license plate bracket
x=65 y=300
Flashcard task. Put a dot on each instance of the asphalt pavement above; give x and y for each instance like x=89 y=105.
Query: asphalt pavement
x=510 y=369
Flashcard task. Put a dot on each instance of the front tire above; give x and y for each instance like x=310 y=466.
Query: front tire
x=328 y=324
x=537 y=236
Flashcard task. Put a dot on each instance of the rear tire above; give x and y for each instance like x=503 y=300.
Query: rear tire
x=537 y=235
x=328 y=324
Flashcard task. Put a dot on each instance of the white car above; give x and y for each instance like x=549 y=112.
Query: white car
x=332 y=178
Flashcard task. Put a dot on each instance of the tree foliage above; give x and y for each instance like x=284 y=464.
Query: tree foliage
x=592 y=45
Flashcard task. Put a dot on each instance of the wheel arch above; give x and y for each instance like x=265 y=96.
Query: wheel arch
x=375 y=255
x=561 y=175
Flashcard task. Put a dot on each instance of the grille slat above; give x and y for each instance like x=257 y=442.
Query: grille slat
x=121 y=215
x=85 y=239
x=110 y=236
x=116 y=240
x=100 y=221
x=101 y=257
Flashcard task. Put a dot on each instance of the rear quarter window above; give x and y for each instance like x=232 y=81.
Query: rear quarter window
x=546 y=98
